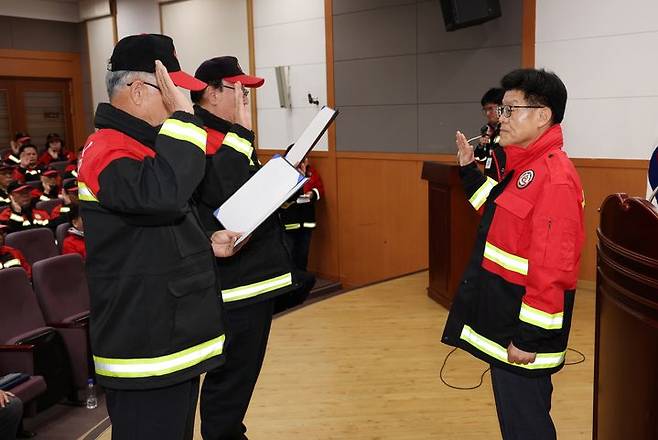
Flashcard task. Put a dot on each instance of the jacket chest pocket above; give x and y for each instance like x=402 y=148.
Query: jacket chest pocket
x=510 y=221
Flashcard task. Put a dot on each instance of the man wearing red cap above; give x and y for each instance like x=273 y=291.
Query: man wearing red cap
x=261 y=271
x=12 y=157
x=156 y=317
x=49 y=189
x=61 y=213
x=21 y=214
x=11 y=257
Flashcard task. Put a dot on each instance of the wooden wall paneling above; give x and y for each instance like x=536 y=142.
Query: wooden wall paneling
x=36 y=64
x=600 y=178
x=528 y=33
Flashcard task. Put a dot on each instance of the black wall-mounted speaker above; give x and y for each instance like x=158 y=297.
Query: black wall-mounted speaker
x=459 y=14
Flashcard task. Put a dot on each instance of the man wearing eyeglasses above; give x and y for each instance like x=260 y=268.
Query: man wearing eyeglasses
x=488 y=149
x=261 y=272
x=513 y=308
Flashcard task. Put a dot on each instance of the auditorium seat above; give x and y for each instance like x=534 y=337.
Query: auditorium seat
x=60 y=234
x=35 y=244
x=61 y=289
x=49 y=205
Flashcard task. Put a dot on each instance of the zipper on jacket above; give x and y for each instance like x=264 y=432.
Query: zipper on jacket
x=548 y=237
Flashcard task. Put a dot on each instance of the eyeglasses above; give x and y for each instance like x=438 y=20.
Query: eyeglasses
x=245 y=92
x=506 y=110
x=147 y=83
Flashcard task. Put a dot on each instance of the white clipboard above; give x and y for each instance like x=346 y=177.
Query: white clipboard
x=311 y=135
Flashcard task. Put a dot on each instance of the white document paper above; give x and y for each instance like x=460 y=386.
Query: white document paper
x=311 y=135
x=257 y=199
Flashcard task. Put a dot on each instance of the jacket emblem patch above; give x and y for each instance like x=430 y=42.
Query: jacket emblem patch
x=525 y=178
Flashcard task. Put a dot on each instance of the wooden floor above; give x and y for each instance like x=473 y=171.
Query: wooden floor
x=365 y=365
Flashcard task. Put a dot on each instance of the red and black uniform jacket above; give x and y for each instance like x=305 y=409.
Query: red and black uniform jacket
x=11 y=158
x=28 y=218
x=27 y=174
x=71 y=170
x=10 y=257
x=46 y=158
x=156 y=317
x=262 y=269
x=520 y=283
x=74 y=243
x=302 y=215
x=4 y=198
x=43 y=196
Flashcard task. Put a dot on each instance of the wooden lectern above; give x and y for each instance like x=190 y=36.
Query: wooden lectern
x=626 y=338
x=452 y=227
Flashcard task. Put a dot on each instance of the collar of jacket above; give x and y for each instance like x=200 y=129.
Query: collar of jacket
x=108 y=116
x=518 y=157
x=212 y=121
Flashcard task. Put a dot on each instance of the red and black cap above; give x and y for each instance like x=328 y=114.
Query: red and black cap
x=71 y=186
x=21 y=136
x=16 y=186
x=227 y=69
x=50 y=172
x=137 y=53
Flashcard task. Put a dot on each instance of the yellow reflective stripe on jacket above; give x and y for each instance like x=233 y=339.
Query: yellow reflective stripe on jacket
x=185 y=131
x=291 y=226
x=480 y=196
x=17 y=218
x=64 y=209
x=239 y=144
x=40 y=222
x=159 y=366
x=84 y=193
x=549 y=321
x=309 y=225
x=497 y=351
x=505 y=259
x=251 y=290
x=11 y=263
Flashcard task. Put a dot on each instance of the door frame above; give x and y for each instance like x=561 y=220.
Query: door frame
x=56 y=65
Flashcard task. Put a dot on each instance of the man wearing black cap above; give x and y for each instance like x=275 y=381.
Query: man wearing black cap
x=21 y=213
x=49 y=190
x=12 y=157
x=156 y=318
x=6 y=173
x=261 y=271
x=61 y=213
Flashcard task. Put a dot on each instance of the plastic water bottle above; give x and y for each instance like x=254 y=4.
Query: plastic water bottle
x=92 y=400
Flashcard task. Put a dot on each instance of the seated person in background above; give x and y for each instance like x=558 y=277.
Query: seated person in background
x=61 y=213
x=21 y=214
x=6 y=174
x=28 y=170
x=55 y=151
x=74 y=242
x=12 y=257
x=11 y=413
x=71 y=170
x=49 y=189
x=12 y=156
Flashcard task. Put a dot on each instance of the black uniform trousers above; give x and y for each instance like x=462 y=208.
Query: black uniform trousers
x=227 y=390
x=523 y=405
x=298 y=242
x=10 y=418
x=162 y=413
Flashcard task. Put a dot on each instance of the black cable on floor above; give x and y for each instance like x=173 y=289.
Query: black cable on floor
x=455 y=387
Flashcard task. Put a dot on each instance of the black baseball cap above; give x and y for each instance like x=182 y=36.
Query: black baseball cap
x=137 y=53
x=16 y=186
x=71 y=186
x=50 y=172
x=21 y=136
x=227 y=69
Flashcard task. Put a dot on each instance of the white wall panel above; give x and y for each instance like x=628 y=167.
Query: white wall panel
x=287 y=44
x=100 y=37
x=41 y=10
x=570 y=19
x=204 y=29
x=278 y=128
x=269 y=12
x=137 y=17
